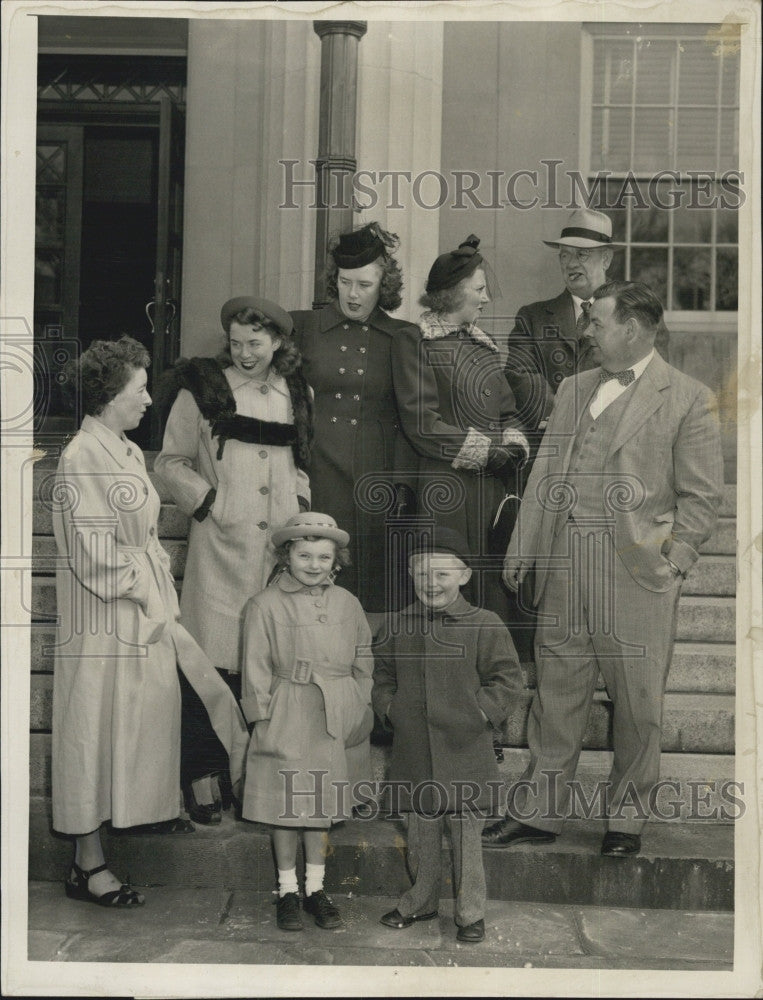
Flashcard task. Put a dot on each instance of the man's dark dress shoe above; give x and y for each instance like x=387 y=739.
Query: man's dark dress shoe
x=507 y=832
x=472 y=933
x=620 y=845
x=396 y=919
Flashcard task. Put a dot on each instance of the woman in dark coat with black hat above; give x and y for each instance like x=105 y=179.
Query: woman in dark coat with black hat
x=460 y=413
x=353 y=353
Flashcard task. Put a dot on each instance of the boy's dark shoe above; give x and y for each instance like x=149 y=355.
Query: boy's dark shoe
x=322 y=908
x=620 y=845
x=507 y=832
x=396 y=919
x=288 y=916
x=472 y=933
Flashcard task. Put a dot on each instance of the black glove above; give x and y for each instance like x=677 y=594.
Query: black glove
x=503 y=461
x=203 y=509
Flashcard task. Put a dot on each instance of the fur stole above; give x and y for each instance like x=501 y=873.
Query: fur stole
x=204 y=378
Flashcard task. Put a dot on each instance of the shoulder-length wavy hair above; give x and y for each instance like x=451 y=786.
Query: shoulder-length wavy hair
x=286 y=359
x=102 y=371
x=390 y=297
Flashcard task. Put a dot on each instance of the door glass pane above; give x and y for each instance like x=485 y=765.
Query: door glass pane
x=50 y=213
x=611 y=139
x=692 y=225
x=726 y=279
x=613 y=72
x=696 y=139
x=650 y=265
x=654 y=72
x=691 y=278
x=648 y=225
x=48 y=266
x=51 y=164
x=728 y=224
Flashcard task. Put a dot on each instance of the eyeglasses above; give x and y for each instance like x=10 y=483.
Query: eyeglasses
x=565 y=256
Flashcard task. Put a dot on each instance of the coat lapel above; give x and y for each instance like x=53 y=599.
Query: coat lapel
x=645 y=400
x=561 y=316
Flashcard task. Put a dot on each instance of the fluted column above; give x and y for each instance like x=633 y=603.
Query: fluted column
x=336 y=161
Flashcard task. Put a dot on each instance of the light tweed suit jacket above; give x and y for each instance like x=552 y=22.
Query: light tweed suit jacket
x=663 y=476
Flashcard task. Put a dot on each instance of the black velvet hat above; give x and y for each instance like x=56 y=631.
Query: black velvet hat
x=440 y=539
x=360 y=247
x=454 y=266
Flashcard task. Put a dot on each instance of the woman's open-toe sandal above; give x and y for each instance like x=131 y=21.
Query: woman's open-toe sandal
x=77 y=888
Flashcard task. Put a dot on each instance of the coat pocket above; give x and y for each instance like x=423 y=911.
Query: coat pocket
x=283 y=734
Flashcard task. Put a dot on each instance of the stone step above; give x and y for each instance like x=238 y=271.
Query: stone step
x=711 y=576
x=172 y=522
x=693 y=787
x=682 y=866
x=692 y=724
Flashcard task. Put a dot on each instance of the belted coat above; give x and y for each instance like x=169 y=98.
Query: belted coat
x=306 y=686
x=116 y=695
x=441 y=683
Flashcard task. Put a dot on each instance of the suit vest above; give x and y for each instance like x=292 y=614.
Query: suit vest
x=587 y=472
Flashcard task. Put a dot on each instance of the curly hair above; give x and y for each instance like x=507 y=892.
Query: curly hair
x=102 y=371
x=390 y=297
x=286 y=359
x=341 y=555
x=447 y=300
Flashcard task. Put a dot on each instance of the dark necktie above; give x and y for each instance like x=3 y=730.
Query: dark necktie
x=624 y=377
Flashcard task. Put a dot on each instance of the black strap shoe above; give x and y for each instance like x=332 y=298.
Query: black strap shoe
x=320 y=906
x=288 y=916
x=507 y=832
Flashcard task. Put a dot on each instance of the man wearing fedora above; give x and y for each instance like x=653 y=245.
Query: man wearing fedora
x=625 y=489
x=548 y=342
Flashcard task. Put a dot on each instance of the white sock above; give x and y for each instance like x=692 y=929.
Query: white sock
x=313 y=878
x=287 y=881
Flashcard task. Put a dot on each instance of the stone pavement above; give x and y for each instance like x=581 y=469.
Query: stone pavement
x=206 y=926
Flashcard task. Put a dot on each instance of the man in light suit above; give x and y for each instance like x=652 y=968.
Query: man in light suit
x=625 y=488
x=548 y=343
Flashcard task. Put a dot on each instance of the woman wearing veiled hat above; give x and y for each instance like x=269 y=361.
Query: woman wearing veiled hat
x=353 y=353
x=234 y=458
x=460 y=413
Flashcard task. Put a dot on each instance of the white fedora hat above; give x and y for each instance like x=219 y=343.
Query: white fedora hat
x=586 y=228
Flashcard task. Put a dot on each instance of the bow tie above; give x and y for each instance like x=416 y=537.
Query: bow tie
x=624 y=377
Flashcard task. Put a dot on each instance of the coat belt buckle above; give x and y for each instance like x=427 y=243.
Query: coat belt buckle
x=302 y=671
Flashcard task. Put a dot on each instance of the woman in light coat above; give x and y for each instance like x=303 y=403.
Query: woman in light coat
x=235 y=450
x=116 y=695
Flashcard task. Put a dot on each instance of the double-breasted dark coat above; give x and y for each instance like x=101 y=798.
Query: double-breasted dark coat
x=441 y=683
x=455 y=404
x=354 y=369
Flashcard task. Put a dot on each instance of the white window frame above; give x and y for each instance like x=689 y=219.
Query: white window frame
x=700 y=320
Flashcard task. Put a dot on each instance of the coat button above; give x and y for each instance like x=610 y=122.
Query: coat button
x=353 y=421
x=486 y=392
x=338 y=395
x=262 y=525
x=129 y=451
x=356 y=398
x=264 y=390
x=263 y=454
x=346 y=326
x=362 y=350
x=264 y=490
x=343 y=347
x=152 y=530
x=361 y=371
x=323 y=618
x=342 y=371
x=364 y=329
x=333 y=420
x=317 y=603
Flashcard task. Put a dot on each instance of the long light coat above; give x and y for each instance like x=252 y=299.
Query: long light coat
x=230 y=555
x=306 y=684
x=116 y=696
